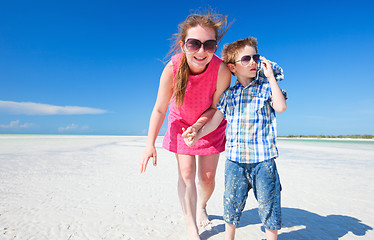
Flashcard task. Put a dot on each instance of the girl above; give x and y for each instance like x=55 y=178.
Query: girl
x=192 y=83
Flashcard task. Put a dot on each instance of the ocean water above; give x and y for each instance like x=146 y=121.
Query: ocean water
x=15 y=143
x=330 y=140
x=339 y=143
x=313 y=141
x=339 y=152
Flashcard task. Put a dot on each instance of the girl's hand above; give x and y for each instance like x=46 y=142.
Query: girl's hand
x=190 y=142
x=189 y=135
x=190 y=132
x=268 y=69
x=149 y=152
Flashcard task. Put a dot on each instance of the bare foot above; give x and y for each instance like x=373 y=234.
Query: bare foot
x=203 y=220
x=193 y=234
x=194 y=237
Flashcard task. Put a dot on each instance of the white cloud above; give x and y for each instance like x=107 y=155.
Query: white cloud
x=30 y=108
x=72 y=128
x=16 y=125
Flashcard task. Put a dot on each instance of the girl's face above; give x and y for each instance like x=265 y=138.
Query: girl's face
x=198 y=60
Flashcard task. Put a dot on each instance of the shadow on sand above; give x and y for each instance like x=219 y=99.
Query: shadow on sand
x=303 y=225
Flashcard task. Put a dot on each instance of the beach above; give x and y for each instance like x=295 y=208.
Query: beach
x=90 y=187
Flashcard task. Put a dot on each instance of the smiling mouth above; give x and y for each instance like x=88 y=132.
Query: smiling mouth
x=253 y=69
x=200 y=59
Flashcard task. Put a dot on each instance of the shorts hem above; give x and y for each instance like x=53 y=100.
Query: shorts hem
x=272 y=227
x=236 y=223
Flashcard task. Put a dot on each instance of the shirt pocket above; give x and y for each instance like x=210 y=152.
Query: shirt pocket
x=257 y=101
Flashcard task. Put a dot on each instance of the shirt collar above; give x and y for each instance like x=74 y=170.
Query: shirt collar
x=239 y=85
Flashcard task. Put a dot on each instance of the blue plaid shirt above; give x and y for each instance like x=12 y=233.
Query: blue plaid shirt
x=251 y=130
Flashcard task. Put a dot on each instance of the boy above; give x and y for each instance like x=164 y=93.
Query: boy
x=249 y=108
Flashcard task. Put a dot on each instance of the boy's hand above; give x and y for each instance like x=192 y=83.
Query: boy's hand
x=268 y=69
x=189 y=135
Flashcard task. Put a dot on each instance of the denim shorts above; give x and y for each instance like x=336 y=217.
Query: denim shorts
x=263 y=178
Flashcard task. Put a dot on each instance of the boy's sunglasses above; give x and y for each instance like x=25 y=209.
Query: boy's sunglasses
x=194 y=45
x=246 y=59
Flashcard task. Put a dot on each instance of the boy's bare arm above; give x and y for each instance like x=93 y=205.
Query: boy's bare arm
x=209 y=127
x=279 y=101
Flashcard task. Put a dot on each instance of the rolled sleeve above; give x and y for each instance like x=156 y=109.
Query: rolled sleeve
x=222 y=104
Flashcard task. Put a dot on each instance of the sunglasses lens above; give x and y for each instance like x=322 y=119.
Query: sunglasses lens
x=245 y=60
x=256 y=57
x=210 y=45
x=193 y=45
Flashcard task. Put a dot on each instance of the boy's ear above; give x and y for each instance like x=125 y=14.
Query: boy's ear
x=231 y=67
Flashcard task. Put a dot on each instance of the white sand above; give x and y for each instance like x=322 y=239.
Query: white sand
x=89 y=187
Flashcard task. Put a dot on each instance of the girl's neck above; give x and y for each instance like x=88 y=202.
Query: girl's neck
x=198 y=71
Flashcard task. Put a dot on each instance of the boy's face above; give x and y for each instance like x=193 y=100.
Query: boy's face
x=248 y=71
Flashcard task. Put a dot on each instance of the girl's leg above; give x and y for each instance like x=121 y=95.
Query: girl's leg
x=206 y=173
x=187 y=192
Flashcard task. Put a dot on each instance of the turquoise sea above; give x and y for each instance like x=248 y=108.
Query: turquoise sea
x=356 y=144
x=330 y=141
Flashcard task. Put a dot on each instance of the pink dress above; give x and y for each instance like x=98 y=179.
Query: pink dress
x=198 y=98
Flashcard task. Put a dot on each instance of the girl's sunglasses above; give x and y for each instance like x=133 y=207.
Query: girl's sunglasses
x=246 y=59
x=194 y=45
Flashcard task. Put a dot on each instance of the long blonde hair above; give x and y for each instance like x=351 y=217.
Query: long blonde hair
x=209 y=19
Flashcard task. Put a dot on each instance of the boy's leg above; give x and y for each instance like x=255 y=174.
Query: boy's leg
x=236 y=193
x=266 y=188
x=271 y=234
x=230 y=231
x=207 y=167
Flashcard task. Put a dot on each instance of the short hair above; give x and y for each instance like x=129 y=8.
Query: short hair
x=230 y=51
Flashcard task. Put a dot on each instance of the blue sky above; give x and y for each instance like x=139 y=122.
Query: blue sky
x=93 y=67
